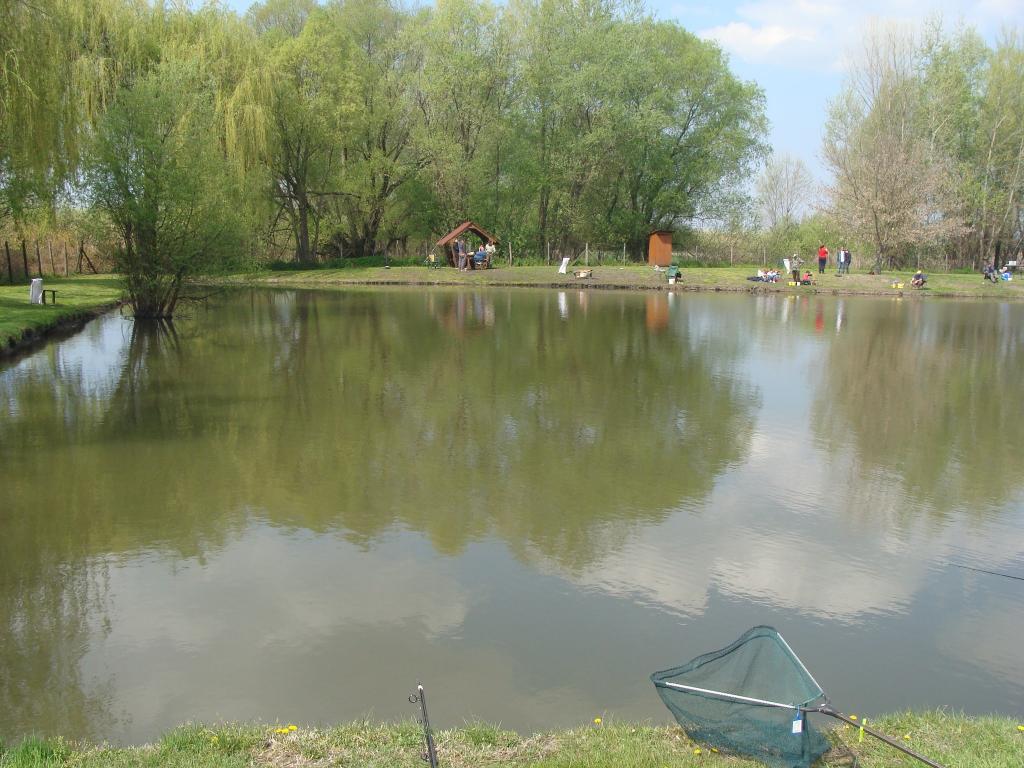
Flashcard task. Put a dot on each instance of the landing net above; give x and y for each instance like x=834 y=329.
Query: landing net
x=747 y=699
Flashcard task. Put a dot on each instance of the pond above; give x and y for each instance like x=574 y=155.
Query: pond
x=294 y=505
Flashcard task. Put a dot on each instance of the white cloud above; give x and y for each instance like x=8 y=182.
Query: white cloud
x=752 y=42
x=810 y=34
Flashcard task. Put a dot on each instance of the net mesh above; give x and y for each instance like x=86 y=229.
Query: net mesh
x=758 y=665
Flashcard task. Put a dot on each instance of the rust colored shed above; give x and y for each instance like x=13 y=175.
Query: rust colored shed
x=659 y=248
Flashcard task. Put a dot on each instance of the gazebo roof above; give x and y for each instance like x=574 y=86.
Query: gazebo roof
x=467 y=226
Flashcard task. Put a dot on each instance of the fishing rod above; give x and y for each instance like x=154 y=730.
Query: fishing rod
x=991 y=573
x=420 y=697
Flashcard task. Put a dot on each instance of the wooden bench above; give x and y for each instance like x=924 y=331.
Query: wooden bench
x=53 y=295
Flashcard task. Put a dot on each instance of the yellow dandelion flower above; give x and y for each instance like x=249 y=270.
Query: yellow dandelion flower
x=853 y=717
x=597 y=721
x=906 y=737
x=696 y=751
x=293 y=727
x=1020 y=727
x=714 y=750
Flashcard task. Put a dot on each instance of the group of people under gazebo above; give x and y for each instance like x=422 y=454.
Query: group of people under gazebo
x=459 y=252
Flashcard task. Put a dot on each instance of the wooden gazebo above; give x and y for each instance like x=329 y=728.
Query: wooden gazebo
x=448 y=241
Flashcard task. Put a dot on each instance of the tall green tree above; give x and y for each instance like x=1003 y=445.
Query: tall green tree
x=691 y=134
x=463 y=96
x=378 y=160
x=307 y=102
x=158 y=172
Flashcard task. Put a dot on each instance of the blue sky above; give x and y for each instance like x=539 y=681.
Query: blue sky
x=795 y=49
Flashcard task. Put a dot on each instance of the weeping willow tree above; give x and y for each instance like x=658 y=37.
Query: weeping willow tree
x=60 y=62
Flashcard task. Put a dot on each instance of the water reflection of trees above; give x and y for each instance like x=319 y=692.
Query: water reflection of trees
x=462 y=415
x=457 y=415
x=375 y=409
x=928 y=393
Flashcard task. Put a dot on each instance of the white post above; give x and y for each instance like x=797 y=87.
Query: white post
x=586 y=255
x=623 y=253
x=510 y=254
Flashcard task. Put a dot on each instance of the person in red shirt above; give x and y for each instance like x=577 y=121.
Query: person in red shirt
x=822 y=258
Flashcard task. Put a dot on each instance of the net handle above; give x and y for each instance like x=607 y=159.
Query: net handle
x=825 y=709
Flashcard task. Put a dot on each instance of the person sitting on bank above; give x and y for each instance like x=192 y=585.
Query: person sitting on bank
x=481 y=255
x=807 y=279
x=918 y=280
x=989 y=272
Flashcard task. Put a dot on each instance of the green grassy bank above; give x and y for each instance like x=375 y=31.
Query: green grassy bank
x=641 y=277
x=77 y=297
x=955 y=741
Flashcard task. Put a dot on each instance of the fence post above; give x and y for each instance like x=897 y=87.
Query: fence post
x=66 y=271
x=49 y=249
x=10 y=272
x=549 y=252
x=39 y=261
x=88 y=261
x=623 y=254
x=24 y=260
x=586 y=255
x=81 y=250
x=510 y=253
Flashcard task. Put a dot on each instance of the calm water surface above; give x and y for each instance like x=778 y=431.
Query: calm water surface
x=298 y=504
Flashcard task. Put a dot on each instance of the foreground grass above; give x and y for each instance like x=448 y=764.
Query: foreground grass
x=955 y=741
x=638 y=276
x=75 y=295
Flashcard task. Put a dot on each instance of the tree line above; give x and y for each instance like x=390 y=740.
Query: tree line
x=197 y=138
x=357 y=126
x=925 y=148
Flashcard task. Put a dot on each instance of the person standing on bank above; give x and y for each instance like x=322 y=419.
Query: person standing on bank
x=822 y=258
